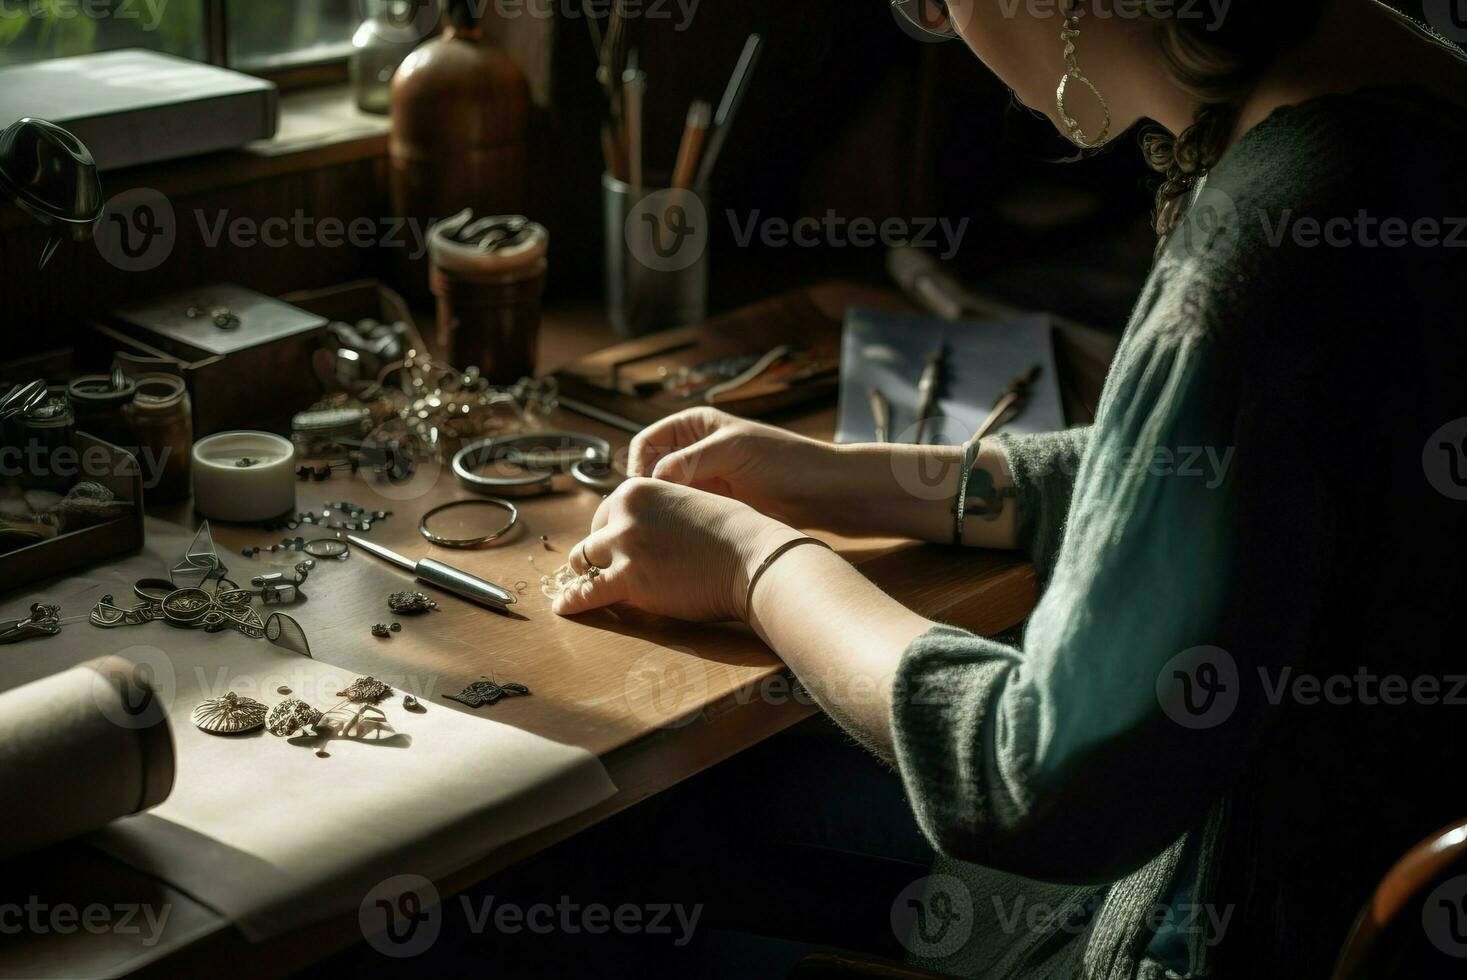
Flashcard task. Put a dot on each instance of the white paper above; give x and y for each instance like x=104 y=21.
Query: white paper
x=262 y=829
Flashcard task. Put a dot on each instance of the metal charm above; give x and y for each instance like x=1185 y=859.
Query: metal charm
x=290 y=716
x=365 y=690
x=410 y=603
x=229 y=715
x=381 y=629
x=486 y=691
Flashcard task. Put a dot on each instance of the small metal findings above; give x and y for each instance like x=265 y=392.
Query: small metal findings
x=410 y=603
x=289 y=717
x=396 y=627
x=229 y=715
x=365 y=690
x=381 y=629
x=411 y=703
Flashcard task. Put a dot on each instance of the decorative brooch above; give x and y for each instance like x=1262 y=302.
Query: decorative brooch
x=365 y=690
x=229 y=715
x=486 y=691
x=290 y=716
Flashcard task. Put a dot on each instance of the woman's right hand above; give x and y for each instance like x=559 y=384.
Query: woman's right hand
x=775 y=471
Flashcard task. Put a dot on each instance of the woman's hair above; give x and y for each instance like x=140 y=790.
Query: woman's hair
x=1218 y=62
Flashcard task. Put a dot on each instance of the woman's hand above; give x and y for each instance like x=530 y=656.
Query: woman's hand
x=772 y=470
x=671 y=550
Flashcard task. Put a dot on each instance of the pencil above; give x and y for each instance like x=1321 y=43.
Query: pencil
x=695 y=132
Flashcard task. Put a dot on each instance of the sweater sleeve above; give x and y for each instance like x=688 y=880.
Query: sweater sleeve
x=1044 y=468
x=1035 y=761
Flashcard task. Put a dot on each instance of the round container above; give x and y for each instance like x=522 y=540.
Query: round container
x=244 y=477
x=100 y=403
x=489 y=299
x=161 y=420
x=45 y=431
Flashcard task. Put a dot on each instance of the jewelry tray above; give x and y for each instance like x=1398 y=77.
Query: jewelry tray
x=111 y=539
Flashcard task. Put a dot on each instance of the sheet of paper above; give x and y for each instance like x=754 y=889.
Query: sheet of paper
x=264 y=830
x=887 y=351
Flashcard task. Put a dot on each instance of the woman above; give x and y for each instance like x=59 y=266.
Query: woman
x=1189 y=735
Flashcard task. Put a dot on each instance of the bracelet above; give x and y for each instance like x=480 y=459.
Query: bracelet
x=960 y=505
x=541 y=454
x=478 y=540
x=764 y=565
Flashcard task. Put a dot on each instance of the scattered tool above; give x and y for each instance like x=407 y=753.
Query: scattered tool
x=442 y=576
x=927 y=390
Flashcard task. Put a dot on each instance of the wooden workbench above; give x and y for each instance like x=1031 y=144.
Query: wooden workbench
x=657 y=701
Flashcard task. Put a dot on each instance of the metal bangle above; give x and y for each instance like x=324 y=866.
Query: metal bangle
x=514 y=517
x=558 y=451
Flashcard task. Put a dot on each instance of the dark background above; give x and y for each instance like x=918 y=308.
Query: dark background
x=847 y=112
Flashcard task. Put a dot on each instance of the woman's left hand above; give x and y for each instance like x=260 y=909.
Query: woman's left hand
x=671 y=550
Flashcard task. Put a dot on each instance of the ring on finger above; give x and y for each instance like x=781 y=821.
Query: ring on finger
x=592 y=571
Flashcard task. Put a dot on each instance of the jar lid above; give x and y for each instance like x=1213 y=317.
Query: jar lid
x=93 y=391
x=159 y=391
x=502 y=248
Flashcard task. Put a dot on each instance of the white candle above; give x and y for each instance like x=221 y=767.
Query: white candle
x=244 y=476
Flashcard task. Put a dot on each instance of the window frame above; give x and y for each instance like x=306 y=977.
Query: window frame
x=307 y=73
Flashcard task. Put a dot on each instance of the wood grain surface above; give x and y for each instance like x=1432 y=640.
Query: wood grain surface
x=658 y=701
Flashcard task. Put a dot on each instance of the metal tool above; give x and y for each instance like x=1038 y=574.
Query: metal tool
x=22 y=398
x=880 y=414
x=442 y=576
x=927 y=390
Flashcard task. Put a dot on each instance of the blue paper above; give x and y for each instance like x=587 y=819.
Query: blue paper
x=888 y=351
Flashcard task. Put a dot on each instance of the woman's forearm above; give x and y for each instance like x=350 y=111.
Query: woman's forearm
x=909 y=491
x=842 y=636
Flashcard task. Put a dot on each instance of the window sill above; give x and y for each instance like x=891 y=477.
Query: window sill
x=319 y=127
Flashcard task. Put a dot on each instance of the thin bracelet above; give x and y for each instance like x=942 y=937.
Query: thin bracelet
x=960 y=506
x=774 y=556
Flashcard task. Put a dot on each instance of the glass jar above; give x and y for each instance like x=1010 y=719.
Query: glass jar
x=99 y=401
x=381 y=44
x=161 y=420
x=46 y=439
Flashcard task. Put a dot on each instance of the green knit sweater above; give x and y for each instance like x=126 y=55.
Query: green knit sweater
x=1233 y=518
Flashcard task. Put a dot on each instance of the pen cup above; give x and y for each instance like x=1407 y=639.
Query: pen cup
x=656 y=256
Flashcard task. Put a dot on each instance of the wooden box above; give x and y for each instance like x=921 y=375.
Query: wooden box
x=66 y=552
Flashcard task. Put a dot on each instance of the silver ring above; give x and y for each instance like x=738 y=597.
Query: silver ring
x=592 y=571
x=543 y=454
x=514 y=518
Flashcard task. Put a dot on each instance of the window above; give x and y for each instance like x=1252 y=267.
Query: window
x=32 y=30
x=258 y=36
x=266 y=35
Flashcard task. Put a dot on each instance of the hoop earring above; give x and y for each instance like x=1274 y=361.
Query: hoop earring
x=1073 y=130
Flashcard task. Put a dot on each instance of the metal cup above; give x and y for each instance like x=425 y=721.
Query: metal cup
x=656 y=257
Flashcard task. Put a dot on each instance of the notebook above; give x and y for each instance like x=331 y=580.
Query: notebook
x=888 y=351
x=134 y=107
